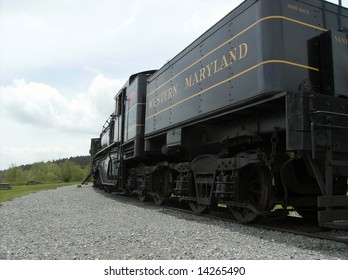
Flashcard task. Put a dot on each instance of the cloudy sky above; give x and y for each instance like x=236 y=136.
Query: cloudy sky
x=63 y=61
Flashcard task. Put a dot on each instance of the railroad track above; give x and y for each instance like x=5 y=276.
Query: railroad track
x=290 y=224
x=322 y=234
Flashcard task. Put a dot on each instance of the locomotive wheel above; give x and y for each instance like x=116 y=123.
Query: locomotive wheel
x=142 y=197
x=158 y=199
x=254 y=183
x=158 y=189
x=198 y=208
x=96 y=182
x=244 y=215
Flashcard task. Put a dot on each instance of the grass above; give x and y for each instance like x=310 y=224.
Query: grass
x=18 y=191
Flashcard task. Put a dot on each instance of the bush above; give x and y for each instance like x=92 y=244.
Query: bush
x=68 y=171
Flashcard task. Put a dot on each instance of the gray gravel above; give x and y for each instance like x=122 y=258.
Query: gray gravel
x=84 y=223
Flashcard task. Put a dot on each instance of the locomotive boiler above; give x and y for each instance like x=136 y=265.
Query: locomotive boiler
x=252 y=116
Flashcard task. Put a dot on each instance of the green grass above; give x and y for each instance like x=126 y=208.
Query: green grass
x=18 y=191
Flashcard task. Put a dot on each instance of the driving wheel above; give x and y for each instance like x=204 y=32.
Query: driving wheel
x=253 y=183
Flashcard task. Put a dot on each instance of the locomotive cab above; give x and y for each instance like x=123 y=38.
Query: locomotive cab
x=122 y=136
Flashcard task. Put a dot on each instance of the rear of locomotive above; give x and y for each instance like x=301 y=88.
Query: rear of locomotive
x=253 y=114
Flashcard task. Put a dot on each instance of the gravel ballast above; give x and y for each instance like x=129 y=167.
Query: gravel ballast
x=83 y=223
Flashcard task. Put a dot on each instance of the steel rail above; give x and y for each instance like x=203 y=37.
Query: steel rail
x=315 y=235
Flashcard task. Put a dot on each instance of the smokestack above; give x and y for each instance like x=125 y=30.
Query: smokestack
x=340 y=2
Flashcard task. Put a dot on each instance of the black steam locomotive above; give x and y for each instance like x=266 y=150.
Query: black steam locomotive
x=252 y=116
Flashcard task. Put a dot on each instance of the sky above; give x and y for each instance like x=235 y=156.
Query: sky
x=63 y=61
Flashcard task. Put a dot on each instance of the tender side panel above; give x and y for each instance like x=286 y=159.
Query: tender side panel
x=258 y=49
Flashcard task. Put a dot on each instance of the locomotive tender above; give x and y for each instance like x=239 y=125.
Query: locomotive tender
x=252 y=114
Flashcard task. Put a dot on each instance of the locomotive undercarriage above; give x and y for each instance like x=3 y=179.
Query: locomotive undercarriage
x=245 y=184
x=249 y=169
x=242 y=183
x=253 y=175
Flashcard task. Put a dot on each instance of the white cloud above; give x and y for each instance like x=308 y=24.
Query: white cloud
x=32 y=102
x=101 y=93
x=37 y=104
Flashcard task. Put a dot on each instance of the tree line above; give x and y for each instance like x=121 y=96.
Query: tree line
x=66 y=170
